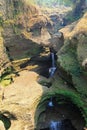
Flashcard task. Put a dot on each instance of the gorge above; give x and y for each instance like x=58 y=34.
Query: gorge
x=43 y=65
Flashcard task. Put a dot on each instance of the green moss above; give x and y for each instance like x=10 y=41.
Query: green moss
x=6 y=77
x=77 y=100
x=1 y=21
x=68 y=59
x=5 y=82
x=82 y=49
x=16 y=29
x=67 y=95
x=69 y=63
x=80 y=84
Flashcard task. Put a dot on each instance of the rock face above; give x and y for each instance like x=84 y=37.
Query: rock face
x=56 y=42
x=24 y=95
x=77 y=34
x=25 y=99
x=4 y=60
x=72 y=56
x=3 y=8
x=79 y=7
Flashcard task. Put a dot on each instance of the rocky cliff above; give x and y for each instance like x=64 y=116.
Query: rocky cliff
x=72 y=56
x=4 y=60
x=27 y=42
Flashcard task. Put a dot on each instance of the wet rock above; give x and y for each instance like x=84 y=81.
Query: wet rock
x=67 y=125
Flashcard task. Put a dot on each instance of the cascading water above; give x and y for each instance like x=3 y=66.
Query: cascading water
x=55 y=125
x=53 y=68
x=53 y=61
x=50 y=104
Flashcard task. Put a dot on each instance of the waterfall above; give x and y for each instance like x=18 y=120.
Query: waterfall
x=50 y=104
x=55 y=125
x=53 y=68
x=53 y=61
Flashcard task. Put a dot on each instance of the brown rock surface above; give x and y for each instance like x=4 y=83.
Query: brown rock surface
x=21 y=98
x=76 y=28
x=56 y=41
x=4 y=60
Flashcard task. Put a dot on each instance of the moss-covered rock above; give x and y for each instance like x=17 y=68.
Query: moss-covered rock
x=72 y=59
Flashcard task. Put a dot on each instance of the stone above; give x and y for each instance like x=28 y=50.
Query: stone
x=2 y=126
x=56 y=42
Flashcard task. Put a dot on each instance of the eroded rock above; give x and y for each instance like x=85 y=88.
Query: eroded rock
x=56 y=42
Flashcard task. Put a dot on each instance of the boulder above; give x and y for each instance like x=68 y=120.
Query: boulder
x=56 y=42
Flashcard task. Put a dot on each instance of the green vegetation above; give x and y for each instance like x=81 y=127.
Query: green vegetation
x=1 y=20
x=68 y=59
x=67 y=95
x=69 y=63
x=16 y=29
x=75 y=99
x=71 y=18
x=80 y=84
x=6 y=121
x=45 y=82
x=34 y=51
x=6 y=77
x=18 y=6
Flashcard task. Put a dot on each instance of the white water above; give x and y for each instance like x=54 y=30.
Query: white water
x=55 y=125
x=50 y=104
x=53 y=68
x=53 y=60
